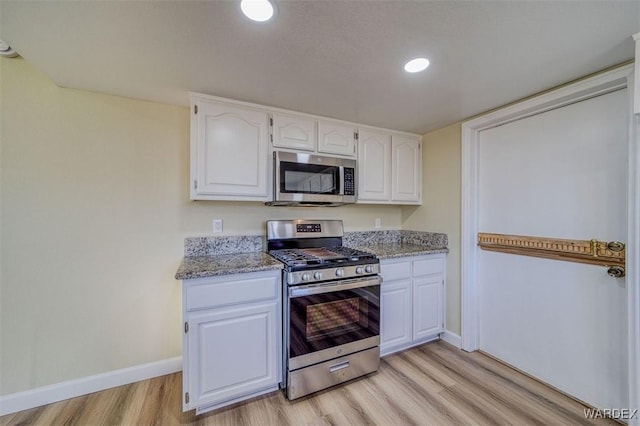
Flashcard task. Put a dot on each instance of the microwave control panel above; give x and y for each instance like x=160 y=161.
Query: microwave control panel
x=349 y=181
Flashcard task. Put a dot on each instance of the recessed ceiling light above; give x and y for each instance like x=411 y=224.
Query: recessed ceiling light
x=416 y=65
x=258 y=10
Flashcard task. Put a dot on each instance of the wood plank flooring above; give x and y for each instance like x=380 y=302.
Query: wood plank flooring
x=433 y=384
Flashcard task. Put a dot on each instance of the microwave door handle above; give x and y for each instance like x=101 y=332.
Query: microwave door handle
x=340 y=182
x=308 y=290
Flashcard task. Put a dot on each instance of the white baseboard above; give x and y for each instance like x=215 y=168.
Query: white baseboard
x=452 y=338
x=60 y=391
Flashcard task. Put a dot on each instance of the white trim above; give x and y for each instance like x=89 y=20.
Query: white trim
x=469 y=305
x=70 y=389
x=452 y=338
x=636 y=92
x=633 y=258
x=600 y=84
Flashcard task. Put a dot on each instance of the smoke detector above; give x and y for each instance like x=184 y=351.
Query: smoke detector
x=7 y=51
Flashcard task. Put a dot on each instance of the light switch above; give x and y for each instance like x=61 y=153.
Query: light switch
x=217 y=226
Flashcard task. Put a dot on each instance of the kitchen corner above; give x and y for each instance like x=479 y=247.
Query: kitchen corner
x=242 y=318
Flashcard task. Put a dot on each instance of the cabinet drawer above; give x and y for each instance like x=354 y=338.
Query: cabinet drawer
x=395 y=271
x=428 y=266
x=221 y=293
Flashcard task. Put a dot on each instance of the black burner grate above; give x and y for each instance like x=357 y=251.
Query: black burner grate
x=319 y=256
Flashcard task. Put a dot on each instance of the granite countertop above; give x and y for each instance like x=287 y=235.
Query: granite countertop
x=393 y=250
x=215 y=256
x=225 y=264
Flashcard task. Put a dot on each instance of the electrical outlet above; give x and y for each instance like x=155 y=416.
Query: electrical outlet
x=217 y=226
x=378 y=223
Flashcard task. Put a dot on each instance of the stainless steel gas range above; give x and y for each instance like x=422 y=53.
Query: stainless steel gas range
x=331 y=329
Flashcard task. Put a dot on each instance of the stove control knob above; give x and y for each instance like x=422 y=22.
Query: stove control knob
x=359 y=270
x=317 y=275
x=368 y=269
x=306 y=277
x=339 y=272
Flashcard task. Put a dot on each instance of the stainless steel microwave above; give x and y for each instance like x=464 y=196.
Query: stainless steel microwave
x=312 y=180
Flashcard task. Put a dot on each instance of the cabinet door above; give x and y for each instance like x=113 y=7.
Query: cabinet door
x=395 y=312
x=374 y=166
x=294 y=132
x=336 y=138
x=406 y=169
x=232 y=352
x=427 y=307
x=231 y=152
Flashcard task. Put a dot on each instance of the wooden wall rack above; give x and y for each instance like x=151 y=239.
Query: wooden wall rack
x=594 y=252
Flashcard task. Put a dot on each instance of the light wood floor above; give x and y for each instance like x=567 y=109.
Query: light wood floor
x=434 y=384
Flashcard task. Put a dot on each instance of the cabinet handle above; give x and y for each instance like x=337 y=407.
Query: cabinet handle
x=339 y=367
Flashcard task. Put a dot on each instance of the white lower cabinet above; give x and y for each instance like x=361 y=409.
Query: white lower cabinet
x=232 y=339
x=396 y=309
x=412 y=301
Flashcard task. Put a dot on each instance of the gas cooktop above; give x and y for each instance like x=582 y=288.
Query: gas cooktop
x=312 y=252
x=323 y=256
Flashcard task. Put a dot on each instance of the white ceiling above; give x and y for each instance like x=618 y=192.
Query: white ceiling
x=340 y=59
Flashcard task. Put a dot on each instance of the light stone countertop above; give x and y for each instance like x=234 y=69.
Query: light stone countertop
x=225 y=264
x=395 y=250
x=216 y=256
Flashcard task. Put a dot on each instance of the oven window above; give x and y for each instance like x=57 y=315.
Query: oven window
x=335 y=318
x=308 y=178
x=326 y=320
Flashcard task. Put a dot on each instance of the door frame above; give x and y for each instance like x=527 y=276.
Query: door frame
x=606 y=82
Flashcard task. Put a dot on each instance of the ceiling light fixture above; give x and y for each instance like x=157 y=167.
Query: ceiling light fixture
x=258 y=10
x=7 y=51
x=416 y=65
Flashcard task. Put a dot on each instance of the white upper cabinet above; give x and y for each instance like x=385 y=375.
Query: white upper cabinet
x=229 y=151
x=390 y=168
x=232 y=142
x=374 y=166
x=406 y=169
x=294 y=132
x=335 y=137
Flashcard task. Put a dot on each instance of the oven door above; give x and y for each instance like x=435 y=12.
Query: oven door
x=332 y=319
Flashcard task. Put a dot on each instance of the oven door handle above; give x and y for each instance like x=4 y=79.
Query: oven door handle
x=307 y=290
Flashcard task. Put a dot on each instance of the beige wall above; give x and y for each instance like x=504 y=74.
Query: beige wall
x=440 y=211
x=93 y=212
